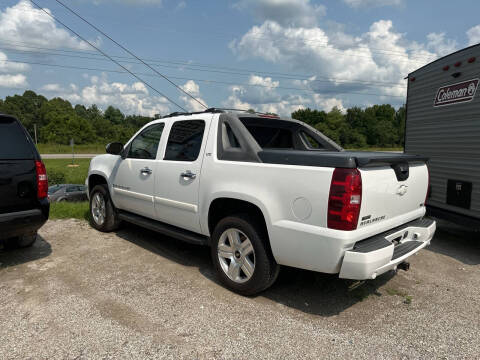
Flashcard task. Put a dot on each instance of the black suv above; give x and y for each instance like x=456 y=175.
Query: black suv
x=24 y=205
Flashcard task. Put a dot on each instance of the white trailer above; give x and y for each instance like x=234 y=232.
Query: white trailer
x=443 y=123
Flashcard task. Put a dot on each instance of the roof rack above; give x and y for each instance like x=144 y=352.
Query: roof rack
x=221 y=110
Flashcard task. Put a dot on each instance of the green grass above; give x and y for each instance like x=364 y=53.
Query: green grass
x=71 y=175
x=66 y=149
x=69 y=210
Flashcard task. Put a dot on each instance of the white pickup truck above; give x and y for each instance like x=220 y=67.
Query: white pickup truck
x=264 y=192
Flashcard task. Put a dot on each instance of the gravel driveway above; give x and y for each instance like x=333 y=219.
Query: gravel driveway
x=81 y=294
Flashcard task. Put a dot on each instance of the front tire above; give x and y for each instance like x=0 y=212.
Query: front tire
x=103 y=216
x=241 y=255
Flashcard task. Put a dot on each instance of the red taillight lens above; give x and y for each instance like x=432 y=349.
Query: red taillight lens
x=42 y=180
x=345 y=199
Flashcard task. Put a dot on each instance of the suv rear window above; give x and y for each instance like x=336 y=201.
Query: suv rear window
x=14 y=143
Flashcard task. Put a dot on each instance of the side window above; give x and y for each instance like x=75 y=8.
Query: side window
x=71 y=189
x=310 y=142
x=145 y=145
x=185 y=140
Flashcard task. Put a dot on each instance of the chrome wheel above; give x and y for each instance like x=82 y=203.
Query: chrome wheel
x=236 y=255
x=98 y=209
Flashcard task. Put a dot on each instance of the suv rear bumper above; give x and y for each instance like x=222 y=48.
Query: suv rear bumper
x=381 y=253
x=24 y=222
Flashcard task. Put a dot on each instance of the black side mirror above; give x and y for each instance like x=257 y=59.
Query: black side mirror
x=115 y=148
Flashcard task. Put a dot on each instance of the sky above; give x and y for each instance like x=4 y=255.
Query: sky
x=270 y=55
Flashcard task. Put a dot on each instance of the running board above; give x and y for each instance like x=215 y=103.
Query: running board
x=166 y=229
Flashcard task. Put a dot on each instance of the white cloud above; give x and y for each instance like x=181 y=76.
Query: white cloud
x=52 y=88
x=262 y=95
x=130 y=98
x=181 y=5
x=285 y=12
x=9 y=67
x=373 y=62
x=193 y=89
x=439 y=45
x=473 y=35
x=22 y=23
x=130 y=2
x=372 y=3
x=13 y=81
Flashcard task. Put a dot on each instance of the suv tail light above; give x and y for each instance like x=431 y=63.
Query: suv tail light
x=345 y=199
x=42 y=180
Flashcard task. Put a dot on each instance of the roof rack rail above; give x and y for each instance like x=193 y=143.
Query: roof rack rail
x=221 y=110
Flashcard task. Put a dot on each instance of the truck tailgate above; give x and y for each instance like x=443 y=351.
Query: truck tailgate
x=387 y=193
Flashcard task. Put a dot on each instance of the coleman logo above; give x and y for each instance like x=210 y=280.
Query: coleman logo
x=456 y=93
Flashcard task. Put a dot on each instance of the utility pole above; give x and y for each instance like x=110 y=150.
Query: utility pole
x=72 y=143
x=35 y=130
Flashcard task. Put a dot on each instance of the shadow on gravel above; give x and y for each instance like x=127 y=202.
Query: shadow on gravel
x=321 y=294
x=307 y=291
x=458 y=242
x=39 y=250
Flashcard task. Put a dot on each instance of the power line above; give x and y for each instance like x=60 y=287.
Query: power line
x=325 y=79
x=107 y=56
x=131 y=53
x=199 y=80
x=321 y=43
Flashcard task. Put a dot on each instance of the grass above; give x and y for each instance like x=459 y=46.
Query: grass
x=72 y=175
x=69 y=210
x=66 y=149
x=407 y=299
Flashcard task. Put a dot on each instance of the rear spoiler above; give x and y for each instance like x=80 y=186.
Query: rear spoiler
x=340 y=159
x=388 y=159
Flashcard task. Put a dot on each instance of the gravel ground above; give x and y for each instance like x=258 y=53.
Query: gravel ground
x=81 y=294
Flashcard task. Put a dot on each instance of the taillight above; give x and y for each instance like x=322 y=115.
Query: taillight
x=345 y=199
x=42 y=180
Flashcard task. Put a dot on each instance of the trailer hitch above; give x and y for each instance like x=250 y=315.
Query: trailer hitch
x=405 y=266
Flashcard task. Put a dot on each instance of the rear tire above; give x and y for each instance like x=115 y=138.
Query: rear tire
x=103 y=216
x=241 y=255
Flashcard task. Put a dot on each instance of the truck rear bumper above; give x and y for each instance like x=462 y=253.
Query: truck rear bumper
x=381 y=253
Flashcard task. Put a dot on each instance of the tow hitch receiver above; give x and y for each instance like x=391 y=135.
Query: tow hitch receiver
x=405 y=266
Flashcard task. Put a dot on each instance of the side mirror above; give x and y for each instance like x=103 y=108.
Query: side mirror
x=115 y=148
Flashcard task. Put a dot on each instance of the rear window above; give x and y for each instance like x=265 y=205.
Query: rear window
x=271 y=138
x=14 y=143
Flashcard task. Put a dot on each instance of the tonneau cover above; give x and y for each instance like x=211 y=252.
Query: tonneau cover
x=341 y=159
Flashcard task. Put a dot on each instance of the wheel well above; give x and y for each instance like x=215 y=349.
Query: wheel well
x=223 y=207
x=95 y=180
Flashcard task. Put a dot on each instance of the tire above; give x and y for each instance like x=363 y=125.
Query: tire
x=233 y=263
x=21 y=242
x=103 y=216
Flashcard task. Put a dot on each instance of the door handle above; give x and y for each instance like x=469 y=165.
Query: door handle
x=146 y=170
x=188 y=174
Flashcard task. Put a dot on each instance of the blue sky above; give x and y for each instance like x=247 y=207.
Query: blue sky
x=270 y=55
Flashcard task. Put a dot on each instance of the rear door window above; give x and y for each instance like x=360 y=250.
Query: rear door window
x=185 y=140
x=14 y=143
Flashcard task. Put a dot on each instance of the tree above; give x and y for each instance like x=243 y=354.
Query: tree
x=311 y=117
x=114 y=115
